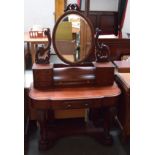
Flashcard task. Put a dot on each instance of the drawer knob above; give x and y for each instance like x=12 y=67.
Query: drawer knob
x=86 y=104
x=68 y=106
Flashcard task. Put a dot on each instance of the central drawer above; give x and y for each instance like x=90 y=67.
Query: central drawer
x=75 y=104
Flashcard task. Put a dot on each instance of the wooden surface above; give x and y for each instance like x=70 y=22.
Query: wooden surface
x=123 y=81
x=28 y=80
x=107 y=21
x=104 y=73
x=42 y=66
x=122 y=66
x=36 y=40
x=112 y=36
x=57 y=94
x=58 y=114
x=73 y=98
x=119 y=45
x=32 y=42
x=125 y=78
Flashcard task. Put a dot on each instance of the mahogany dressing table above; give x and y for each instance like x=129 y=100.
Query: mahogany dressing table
x=75 y=84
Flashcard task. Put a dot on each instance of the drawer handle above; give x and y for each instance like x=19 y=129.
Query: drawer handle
x=68 y=106
x=86 y=104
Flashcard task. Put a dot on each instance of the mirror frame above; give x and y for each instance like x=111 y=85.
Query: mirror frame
x=54 y=34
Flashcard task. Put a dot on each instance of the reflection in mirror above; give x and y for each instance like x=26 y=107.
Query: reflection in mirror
x=73 y=38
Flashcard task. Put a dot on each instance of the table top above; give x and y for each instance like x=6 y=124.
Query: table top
x=35 y=40
x=76 y=93
x=122 y=66
x=125 y=78
x=112 y=36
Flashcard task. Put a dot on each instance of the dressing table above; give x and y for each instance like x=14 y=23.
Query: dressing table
x=76 y=83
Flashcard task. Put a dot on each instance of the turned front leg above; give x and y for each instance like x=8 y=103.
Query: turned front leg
x=42 y=118
x=106 y=125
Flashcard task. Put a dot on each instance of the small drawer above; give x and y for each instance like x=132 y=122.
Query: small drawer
x=70 y=104
x=42 y=75
x=75 y=104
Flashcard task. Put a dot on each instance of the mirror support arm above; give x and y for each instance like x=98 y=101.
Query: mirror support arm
x=102 y=51
x=43 y=54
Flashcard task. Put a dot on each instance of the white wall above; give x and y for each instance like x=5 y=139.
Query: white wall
x=39 y=12
x=103 y=5
x=126 y=25
x=71 y=1
x=99 y=5
x=83 y=5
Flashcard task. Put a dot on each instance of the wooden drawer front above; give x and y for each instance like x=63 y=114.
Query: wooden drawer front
x=75 y=104
x=43 y=75
x=42 y=79
x=104 y=76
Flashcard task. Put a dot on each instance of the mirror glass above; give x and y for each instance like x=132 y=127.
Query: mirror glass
x=73 y=38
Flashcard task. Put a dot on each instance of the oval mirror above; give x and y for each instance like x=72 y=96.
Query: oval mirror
x=73 y=37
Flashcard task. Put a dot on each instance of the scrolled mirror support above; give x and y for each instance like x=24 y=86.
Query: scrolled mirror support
x=102 y=51
x=72 y=7
x=43 y=54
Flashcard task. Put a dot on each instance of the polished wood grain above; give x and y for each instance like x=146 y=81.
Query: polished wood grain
x=123 y=80
x=81 y=93
x=42 y=76
x=59 y=8
x=32 y=113
x=27 y=38
x=104 y=73
x=49 y=76
x=73 y=98
x=118 y=46
x=69 y=74
x=105 y=20
x=81 y=86
x=122 y=66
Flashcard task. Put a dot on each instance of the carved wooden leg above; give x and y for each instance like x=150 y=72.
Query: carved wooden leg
x=43 y=142
x=106 y=125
